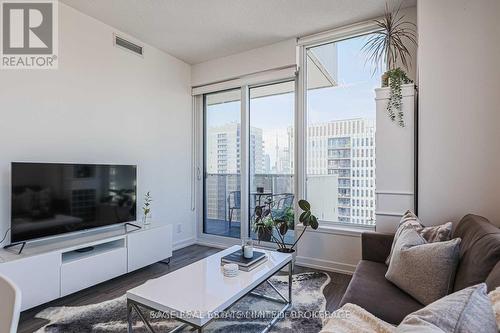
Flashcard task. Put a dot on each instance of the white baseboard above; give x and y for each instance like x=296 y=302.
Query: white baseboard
x=321 y=264
x=325 y=265
x=184 y=243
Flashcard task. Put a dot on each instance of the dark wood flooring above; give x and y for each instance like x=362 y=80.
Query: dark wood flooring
x=118 y=286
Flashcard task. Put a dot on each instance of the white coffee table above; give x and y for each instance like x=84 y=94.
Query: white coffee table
x=195 y=293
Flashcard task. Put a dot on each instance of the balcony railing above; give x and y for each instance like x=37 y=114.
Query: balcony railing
x=223 y=198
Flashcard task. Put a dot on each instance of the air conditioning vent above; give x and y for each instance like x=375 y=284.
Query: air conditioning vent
x=128 y=45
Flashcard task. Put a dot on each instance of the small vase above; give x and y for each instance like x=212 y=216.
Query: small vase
x=146 y=220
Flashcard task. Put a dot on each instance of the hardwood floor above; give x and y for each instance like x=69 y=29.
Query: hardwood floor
x=118 y=286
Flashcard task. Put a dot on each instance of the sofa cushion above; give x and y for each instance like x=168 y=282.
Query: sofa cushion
x=479 y=250
x=370 y=290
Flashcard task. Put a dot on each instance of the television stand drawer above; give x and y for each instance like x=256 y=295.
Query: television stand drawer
x=80 y=270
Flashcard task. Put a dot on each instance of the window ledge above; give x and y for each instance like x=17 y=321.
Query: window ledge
x=338 y=230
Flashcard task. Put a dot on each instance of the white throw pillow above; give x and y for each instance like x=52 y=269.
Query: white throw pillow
x=353 y=319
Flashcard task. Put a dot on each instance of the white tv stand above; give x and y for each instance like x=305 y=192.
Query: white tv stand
x=47 y=270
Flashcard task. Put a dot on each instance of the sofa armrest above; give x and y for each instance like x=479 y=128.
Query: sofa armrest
x=375 y=246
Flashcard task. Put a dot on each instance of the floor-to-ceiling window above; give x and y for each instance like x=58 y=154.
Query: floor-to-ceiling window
x=340 y=132
x=222 y=163
x=258 y=149
x=271 y=118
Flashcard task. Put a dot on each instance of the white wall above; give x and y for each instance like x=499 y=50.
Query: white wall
x=459 y=104
x=264 y=58
x=329 y=249
x=103 y=105
x=410 y=15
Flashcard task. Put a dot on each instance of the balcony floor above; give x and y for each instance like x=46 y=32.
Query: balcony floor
x=221 y=228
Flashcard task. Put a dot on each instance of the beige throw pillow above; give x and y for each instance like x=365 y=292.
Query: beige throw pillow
x=423 y=270
x=437 y=233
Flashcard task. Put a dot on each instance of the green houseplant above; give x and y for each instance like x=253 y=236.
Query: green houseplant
x=396 y=78
x=146 y=208
x=265 y=223
x=387 y=47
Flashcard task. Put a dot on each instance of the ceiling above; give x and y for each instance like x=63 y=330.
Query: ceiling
x=200 y=30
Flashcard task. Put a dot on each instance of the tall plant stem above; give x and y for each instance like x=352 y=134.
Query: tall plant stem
x=281 y=237
x=276 y=240
x=297 y=240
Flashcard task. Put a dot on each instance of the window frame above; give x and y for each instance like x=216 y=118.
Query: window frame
x=199 y=93
x=303 y=44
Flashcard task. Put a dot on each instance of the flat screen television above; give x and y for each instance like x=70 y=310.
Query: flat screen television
x=50 y=199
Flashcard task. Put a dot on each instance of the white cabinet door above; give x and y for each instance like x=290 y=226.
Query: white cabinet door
x=87 y=272
x=148 y=246
x=38 y=277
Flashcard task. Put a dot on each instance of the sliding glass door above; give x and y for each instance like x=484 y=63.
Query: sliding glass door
x=222 y=163
x=248 y=152
x=271 y=118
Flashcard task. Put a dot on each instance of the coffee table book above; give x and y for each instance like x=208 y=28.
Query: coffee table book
x=244 y=264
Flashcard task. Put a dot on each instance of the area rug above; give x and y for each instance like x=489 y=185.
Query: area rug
x=250 y=314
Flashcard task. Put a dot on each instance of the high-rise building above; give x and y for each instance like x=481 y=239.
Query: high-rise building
x=346 y=149
x=224 y=166
x=224 y=149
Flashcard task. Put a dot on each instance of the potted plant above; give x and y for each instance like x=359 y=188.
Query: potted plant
x=387 y=46
x=276 y=228
x=290 y=218
x=146 y=208
x=264 y=229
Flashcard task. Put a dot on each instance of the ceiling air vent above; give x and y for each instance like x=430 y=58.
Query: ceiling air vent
x=128 y=45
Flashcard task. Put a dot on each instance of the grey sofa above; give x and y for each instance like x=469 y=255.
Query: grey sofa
x=479 y=262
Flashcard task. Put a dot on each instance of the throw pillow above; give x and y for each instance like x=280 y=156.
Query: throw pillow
x=423 y=270
x=467 y=310
x=437 y=233
x=495 y=301
x=352 y=318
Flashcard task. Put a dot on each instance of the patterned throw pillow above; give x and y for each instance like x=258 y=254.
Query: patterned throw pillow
x=438 y=233
x=467 y=310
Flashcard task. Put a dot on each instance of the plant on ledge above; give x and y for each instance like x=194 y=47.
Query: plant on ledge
x=386 y=47
x=396 y=78
x=265 y=224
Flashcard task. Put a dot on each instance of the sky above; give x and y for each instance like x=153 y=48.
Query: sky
x=352 y=98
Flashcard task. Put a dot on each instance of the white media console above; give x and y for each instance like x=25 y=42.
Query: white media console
x=47 y=270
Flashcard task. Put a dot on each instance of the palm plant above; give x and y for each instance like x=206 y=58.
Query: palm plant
x=387 y=45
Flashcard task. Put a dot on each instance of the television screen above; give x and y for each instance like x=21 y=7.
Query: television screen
x=50 y=198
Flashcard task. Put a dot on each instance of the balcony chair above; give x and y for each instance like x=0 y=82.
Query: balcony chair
x=233 y=202
x=283 y=202
x=10 y=305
